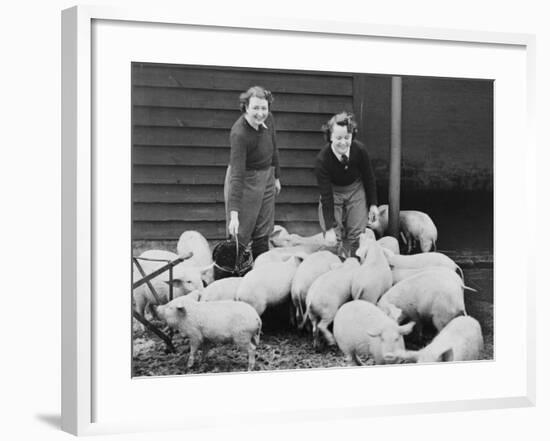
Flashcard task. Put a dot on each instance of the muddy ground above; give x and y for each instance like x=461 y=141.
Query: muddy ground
x=281 y=347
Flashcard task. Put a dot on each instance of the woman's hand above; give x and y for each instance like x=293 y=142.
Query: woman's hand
x=330 y=237
x=233 y=223
x=373 y=214
x=277 y=186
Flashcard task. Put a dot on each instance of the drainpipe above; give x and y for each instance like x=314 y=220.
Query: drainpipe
x=395 y=157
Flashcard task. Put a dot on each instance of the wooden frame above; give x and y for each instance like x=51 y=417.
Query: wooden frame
x=79 y=206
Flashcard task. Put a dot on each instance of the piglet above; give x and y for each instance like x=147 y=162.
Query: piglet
x=282 y=254
x=144 y=298
x=390 y=243
x=212 y=323
x=196 y=243
x=460 y=340
x=434 y=295
x=415 y=227
x=269 y=284
x=160 y=258
x=373 y=278
x=362 y=329
x=399 y=274
x=420 y=261
x=280 y=237
x=222 y=289
x=311 y=268
x=326 y=294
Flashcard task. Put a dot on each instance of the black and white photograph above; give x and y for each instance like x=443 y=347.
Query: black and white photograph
x=292 y=219
x=262 y=221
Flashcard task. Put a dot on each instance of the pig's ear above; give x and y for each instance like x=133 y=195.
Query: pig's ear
x=273 y=237
x=448 y=355
x=361 y=253
x=406 y=329
x=394 y=312
x=278 y=231
x=335 y=265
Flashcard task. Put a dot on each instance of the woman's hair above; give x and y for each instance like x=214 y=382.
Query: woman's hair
x=344 y=119
x=258 y=92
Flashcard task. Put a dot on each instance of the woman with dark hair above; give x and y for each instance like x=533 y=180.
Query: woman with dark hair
x=346 y=182
x=252 y=178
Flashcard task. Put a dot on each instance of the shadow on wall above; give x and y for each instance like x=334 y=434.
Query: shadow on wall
x=464 y=219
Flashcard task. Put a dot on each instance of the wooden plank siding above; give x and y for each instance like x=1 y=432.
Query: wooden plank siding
x=181 y=117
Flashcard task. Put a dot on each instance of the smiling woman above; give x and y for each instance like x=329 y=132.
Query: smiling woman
x=346 y=182
x=252 y=178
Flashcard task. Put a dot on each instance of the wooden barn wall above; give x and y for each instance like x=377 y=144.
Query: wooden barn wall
x=181 y=122
x=182 y=116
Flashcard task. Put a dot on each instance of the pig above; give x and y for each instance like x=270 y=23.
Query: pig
x=268 y=285
x=399 y=274
x=223 y=289
x=390 y=243
x=182 y=271
x=362 y=329
x=144 y=298
x=424 y=260
x=434 y=295
x=325 y=295
x=415 y=227
x=282 y=254
x=214 y=322
x=195 y=242
x=460 y=340
x=373 y=278
x=280 y=237
x=312 y=267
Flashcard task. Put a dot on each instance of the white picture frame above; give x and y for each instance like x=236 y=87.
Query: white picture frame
x=87 y=407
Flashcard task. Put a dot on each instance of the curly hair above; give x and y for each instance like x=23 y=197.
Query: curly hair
x=343 y=119
x=255 y=91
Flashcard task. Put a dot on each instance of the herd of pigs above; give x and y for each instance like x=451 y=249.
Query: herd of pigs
x=364 y=304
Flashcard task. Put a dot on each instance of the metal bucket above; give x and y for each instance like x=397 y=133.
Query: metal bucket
x=231 y=259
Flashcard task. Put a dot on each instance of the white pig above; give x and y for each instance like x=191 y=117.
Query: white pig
x=373 y=278
x=187 y=274
x=280 y=237
x=222 y=289
x=390 y=243
x=144 y=298
x=460 y=340
x=214 y=322
x=312 y=267
x=268 y=285
x=195 y=242
x=423 y=260
x=399 y=274
x=282 y=254
x=362 y=329
x=326 y=294
x=414 y=226
x=434 y=295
